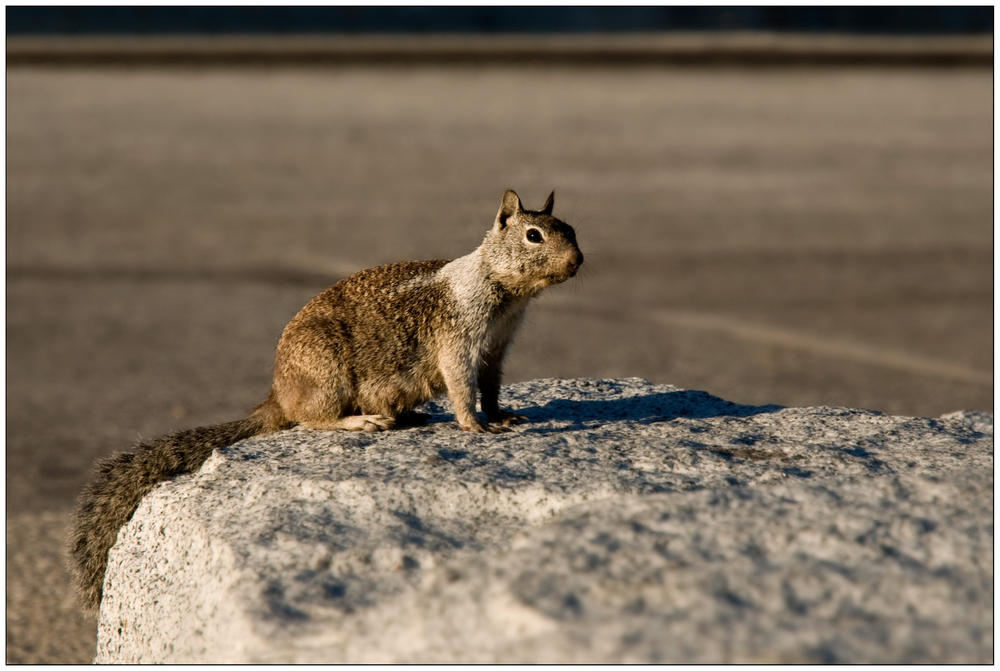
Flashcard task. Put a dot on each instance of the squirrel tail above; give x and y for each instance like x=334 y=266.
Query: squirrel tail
x=123 y=479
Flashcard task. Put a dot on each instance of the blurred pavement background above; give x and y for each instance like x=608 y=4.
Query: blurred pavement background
x=792 y=235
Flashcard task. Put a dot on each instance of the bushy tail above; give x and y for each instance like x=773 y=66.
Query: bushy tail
x=123 y=479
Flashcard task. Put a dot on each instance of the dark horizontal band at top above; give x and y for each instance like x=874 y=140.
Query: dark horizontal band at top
x=770 y=49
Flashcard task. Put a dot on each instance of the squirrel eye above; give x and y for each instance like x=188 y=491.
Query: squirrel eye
x=533 y=235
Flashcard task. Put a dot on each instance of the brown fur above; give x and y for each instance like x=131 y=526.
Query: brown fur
x=359 y=356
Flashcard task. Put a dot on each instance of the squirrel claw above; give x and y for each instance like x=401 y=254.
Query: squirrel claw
x=507 y=418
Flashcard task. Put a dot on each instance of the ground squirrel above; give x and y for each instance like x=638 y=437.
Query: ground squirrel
x=360 y=356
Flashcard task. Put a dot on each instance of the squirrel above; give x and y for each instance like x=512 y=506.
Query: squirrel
x=360 y=356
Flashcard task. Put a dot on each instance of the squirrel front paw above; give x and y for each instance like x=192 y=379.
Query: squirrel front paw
x=484 y=428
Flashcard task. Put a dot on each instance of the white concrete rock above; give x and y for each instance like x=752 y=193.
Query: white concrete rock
x=627 y=522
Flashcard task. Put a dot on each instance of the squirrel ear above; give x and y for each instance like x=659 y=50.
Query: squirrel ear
x=547 y=207
x=510 y=206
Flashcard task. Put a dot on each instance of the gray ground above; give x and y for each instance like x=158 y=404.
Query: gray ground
x=789 y=236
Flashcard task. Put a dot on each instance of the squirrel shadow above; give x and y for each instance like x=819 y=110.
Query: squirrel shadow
x=647 y=409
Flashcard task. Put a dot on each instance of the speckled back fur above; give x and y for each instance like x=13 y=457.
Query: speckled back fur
x=364 y=346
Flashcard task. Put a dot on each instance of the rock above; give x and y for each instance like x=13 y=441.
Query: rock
x=627 y=522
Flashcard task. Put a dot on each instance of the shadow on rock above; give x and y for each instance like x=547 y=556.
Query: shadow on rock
x=648 y=409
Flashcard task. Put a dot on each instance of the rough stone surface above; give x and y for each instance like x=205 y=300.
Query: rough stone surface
x=627 y=522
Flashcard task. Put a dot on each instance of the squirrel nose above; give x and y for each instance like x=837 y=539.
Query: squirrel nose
x=574 y=263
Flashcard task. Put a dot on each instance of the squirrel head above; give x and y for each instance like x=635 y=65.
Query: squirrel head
x=529 y=250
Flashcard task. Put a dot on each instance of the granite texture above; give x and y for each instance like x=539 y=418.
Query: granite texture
x=627 y=522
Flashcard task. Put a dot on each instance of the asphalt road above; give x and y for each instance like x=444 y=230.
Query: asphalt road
x=794 y=236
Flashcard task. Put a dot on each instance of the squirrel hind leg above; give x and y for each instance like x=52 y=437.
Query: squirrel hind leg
x=367 y=423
